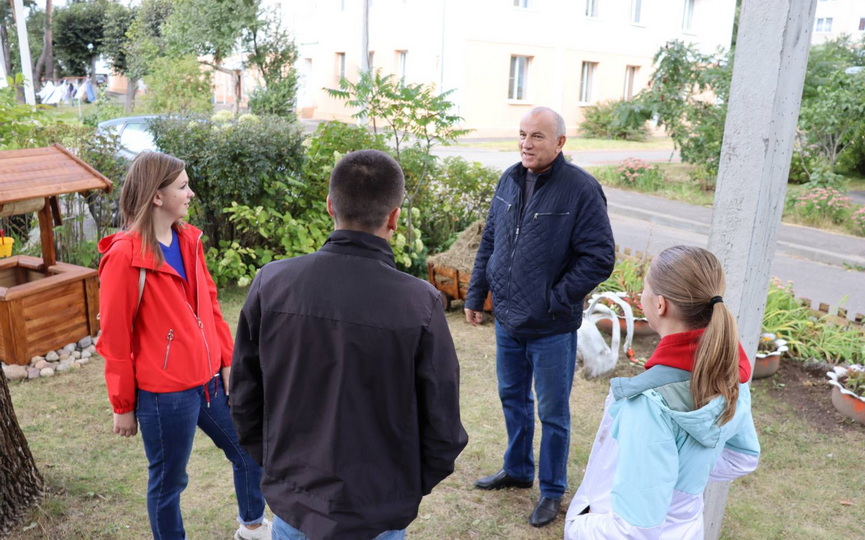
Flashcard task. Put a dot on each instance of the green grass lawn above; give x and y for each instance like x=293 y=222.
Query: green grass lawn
x=97 y=481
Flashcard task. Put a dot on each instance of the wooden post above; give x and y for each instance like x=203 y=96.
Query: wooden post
x=46 y=228
x=768 y=75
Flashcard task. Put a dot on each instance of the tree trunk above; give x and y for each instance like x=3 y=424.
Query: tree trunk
x=44 y=66
x=238 y=90
x=21 y=485
x=4 y=42
x=131 y=87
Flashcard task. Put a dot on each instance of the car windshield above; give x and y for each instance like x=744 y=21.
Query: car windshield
x=136 y=138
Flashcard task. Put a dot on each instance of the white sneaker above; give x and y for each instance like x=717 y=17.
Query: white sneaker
x=259 y=533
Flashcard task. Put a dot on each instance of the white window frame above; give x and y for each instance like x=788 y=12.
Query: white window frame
x=519 y=77
x=636 y=11
x=401 y=63
x=592 y=8
x=630 y=80
x=340 y=66
x=522 y=4
x=862 y=24
x=688 y=8
x=587 y=81
x=823 y=24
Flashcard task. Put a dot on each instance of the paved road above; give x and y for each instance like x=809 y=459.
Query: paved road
x=818 y=263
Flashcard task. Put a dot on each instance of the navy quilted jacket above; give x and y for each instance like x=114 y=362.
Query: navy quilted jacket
x=541 y=261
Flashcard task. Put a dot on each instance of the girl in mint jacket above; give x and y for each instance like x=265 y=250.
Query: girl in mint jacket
x=685 y=421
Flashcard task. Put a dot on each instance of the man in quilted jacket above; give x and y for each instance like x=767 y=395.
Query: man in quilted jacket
x=547 y=243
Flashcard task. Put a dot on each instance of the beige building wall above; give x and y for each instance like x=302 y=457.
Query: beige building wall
x=468 y=46
x=836 y=17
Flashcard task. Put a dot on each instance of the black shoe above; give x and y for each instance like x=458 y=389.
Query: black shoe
x=502 y=480
x=545 y=512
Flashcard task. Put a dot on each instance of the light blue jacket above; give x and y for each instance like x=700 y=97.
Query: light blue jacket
x=653 y=457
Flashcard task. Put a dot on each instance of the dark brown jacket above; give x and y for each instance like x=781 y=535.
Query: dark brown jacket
x=345 y=387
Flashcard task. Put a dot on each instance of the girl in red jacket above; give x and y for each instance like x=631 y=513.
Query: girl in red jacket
x=166 y=346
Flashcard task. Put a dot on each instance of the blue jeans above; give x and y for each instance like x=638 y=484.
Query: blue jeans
x=550 y=360
x=284 y=531
x=167 y=422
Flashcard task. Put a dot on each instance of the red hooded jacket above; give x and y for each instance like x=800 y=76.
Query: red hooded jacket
x=180 y=339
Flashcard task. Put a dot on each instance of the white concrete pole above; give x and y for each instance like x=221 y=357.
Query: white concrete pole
x=768 y=74
x=3 y=73
x=24 y=46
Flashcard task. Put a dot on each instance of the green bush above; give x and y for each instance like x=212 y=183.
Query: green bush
x=235 y=161
x=104 y=108
x=275 y=100
x=615 y=120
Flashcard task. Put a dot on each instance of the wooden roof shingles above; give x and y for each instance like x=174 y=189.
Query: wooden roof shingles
x=44 y=172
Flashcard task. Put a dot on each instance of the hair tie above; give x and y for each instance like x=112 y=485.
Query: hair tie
x=715 y=300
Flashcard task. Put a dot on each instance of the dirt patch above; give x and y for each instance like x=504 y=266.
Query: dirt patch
x=807 y=393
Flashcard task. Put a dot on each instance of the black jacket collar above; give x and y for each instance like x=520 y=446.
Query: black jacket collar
x=519 y=174
x=359 y=244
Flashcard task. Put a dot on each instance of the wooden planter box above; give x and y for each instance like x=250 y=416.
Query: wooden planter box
x=40 y=313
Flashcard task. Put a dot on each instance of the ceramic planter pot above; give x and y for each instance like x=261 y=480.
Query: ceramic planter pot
x=845 y=401
x=768 y=360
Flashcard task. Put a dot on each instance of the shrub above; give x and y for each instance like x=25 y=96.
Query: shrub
x=615 y=120
x=640 y=175
x=275 y=100
x=857 y=221
x=235 y=161
x=104 y=108
x=819 y=204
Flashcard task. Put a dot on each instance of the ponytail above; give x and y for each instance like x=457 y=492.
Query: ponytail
x=716 y=363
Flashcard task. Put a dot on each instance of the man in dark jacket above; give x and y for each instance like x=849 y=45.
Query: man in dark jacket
x=345 y=381
x=547 y=243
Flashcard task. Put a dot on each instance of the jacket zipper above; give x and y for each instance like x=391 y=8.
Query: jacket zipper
x=506 y=202
x=550 y=214
x=514 y=249
x=198 y=310
x=168 y=348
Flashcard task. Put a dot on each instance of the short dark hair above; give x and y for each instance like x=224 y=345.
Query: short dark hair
x=365 y=186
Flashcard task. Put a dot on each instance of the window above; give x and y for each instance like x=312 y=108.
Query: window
x=688 y=15
x=630 y=77
x=370 y=56
x=587 y=81
x=401 y=57
x=521 y=3
x=636 y=11
x=862 y=24
x=340 y=66
x=592 y=8
x=519 y=75
x=824 y=24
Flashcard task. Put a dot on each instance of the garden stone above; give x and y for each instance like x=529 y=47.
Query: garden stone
x=86 y=354
x=32 y=373
x=15 y=372
x=91 y=349
x=64 y=366
x=47 y=372
x=82 y=361
x=53 y=365
x=36 y=359
x=65 y=356
x=41 y=364
x=69 y=347
x=76 y=354
x=52 y=356
x=85 y=342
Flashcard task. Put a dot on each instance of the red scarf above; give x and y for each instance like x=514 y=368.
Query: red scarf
x=678 y=350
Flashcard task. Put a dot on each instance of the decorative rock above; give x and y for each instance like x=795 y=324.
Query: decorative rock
x=47 y=372
x=69 y=347
x=36 y=359
x=82 y=361
x=85 y=354
x=52 y=356
x=64 y=366
x=91 y=349
x=76 y=354
x=32 y=373
x=41 y=364
x=85 y=342
x=65 y=356
x=15 y=372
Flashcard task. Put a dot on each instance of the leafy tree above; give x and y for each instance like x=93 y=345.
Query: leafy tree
x=45 y=64
x=177 y=85
x=688 y=94
x=118 y=19
x=211 y=28
x=144 y=42
x=78 y=34
x=274 y=53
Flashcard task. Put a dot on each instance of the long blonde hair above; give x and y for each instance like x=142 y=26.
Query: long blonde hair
x=690 y=277
x=149 y=172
